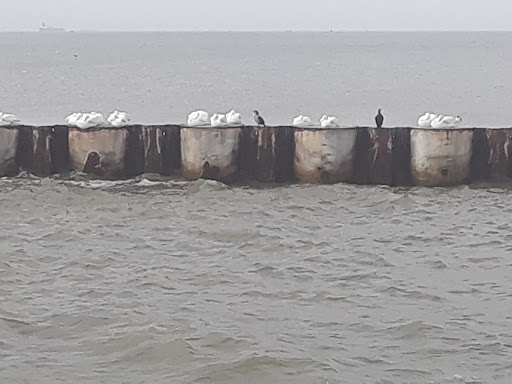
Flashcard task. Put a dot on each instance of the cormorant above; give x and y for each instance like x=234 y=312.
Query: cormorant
x=257 y=118
x=379 y=119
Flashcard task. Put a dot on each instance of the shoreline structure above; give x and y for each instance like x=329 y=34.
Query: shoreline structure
x=400 y=156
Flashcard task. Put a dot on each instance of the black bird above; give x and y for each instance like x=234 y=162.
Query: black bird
x=379 y=119
x=257 y=118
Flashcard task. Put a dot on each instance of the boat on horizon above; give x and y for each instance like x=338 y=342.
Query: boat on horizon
x=46 y=28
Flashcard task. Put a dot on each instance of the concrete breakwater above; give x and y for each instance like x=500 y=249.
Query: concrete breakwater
x=282 y=154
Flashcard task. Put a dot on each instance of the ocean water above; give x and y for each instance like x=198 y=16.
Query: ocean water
x=166 y=281
x=161 y=77
x=174 y=282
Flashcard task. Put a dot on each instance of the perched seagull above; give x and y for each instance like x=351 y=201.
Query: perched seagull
x=8 y=119
x=257 y=118
x=379 y=119
x=426 y=120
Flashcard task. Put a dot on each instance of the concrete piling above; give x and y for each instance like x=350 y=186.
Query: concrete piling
x=373 y=161
x=441 y=157
x=162 y=149
x=324 y=155
x=9 y=150
x=401 y=157
x=210 y=153
x=284 y=151
x=152 y=137
x=98 y=151
x=134 y=161
x=266 y=154
x=499 y=160
x=24 y=152
x=49 y=150
x=492 y=155
x=59 y=149
x=388 y=156
x=480 y=156
x=41 y=151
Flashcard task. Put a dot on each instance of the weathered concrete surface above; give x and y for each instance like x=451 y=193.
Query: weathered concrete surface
x=162 y=149
x=210 y=153
x=379 y=154
x=479 y=159
x=401 y=157
x=393 y=156
x=283 y=140
x=98 y=151
x=499 y=160
x=267 y=154
x=324 y=155
x=361 y=157
x=134 y=153
x=373 y=158
x=247 y=154
x=43 y=150
x=8 y=146
x=59 y=149
x=441 y=157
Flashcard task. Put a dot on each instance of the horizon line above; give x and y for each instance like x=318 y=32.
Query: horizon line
x=265 y=31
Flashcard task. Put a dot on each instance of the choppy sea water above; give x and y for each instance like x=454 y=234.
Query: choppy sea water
x=196 y=282
x=162 y=77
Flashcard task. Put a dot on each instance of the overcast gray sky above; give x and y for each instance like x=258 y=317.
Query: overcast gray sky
x=257 y=15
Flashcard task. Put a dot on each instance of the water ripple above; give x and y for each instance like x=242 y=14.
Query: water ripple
x=197 y=282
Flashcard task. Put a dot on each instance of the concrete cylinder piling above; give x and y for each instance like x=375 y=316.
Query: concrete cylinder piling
x=441 y=157
x=389 y=156
x=267 y=154
x=210 y=153
x=42 y=150
x=9 y=138
x=100 y=152
x=324 y=155
x=499 y=159
x=162 y=149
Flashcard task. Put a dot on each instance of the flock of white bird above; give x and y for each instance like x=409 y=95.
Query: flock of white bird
x=202 y=118
x=94 y=119
x=431 y=120
x=325 y=121
x=8 y=119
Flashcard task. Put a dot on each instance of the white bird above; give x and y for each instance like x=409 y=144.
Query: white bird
x=437 y=122
x=119 y=119
x=301 y=120
x=218 y=120
x=234 y=118
x=113 y=116
x=90 y=120
x=425 y=121
x=8 y=119
x=329 y=122
x=446 y=122
x=97 y=118
x=452 y=122
x=198 y=118
x=72 y=119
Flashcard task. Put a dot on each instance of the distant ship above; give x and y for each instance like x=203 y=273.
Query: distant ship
x=45 y=28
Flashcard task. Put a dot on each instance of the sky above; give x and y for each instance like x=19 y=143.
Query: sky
x=258 y=15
